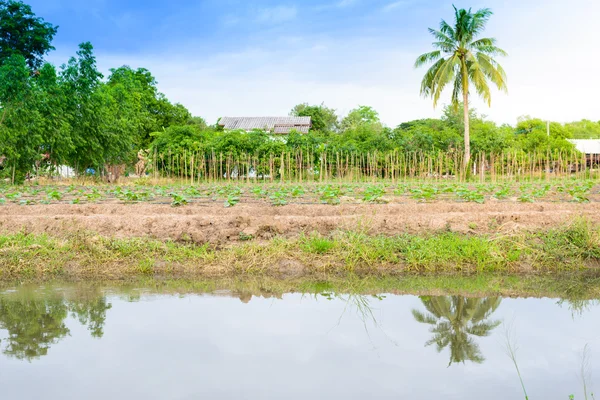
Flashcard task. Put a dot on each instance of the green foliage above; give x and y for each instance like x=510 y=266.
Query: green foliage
x=330 y=194
x=316 y=244
x=178 y=199
x=24 y=34
x=373 y=194
x=323 y=119
x=279 y=198
x=232 y=200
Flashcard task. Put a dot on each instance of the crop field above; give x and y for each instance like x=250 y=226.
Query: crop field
x=279 y=195
x=224 y=213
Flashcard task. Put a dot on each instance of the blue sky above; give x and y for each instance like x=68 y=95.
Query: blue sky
x=261 y=57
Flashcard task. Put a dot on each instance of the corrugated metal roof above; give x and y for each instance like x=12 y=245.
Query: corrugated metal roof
x=265 y=123
x=587 y=146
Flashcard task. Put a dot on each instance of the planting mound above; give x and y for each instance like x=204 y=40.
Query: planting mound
x=212 y=223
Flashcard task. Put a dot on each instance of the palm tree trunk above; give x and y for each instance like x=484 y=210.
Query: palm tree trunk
x=466 y=116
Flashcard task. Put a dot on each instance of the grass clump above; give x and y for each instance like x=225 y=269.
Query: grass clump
x=316 y=244
x=574 y=247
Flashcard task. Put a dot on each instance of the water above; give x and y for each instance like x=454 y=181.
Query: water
x=76 y=343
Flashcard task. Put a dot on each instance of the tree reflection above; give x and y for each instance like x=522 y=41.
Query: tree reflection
x=455 y=321
x=36 y=320
x=32 y=325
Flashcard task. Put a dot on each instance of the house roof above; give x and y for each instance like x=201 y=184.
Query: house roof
x=587 y=146
x=281 y=125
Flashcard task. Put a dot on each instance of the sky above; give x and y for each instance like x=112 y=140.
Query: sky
x=262 y=57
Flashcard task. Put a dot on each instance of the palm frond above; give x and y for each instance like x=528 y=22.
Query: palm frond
x=444 y=75
x=427 y=58
x=484 y=42
x=427 y=82
x=479 y=21
x=446 y=47
x=478 y=79
x=423 y=318
x=447 y=30
x=489 y=50
x=485 y=308
x=492 y=70
x=483 y=328
x=440 y=36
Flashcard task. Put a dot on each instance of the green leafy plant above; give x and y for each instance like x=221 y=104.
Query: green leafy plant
x=503 y=192
x=278 y=198
x=373 y=194
x=245 y=237
x=178 y=199
x=471 y=196
x=232 y=200
x=330 y=194
x=54 y=195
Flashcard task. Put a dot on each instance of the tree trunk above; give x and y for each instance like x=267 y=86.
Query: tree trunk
x=467 y=129
x=465 y=83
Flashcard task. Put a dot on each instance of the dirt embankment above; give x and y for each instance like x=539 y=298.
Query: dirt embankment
x=218 y=225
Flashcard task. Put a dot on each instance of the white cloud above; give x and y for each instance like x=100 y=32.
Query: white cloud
x=277 y=14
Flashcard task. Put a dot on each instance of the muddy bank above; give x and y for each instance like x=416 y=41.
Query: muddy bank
x=212 y=223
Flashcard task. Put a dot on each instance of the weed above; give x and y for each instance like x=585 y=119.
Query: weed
x=245 y=237
x=316 y=244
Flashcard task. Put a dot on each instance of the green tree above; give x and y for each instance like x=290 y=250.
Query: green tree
x=20 y=136
x=359 y=116
x=21 y=32
x=427 y=135
x=455 y=320
x=52 y=103
x=584 y=129
x=323 y=118
x=532 y=136
x=87 y=108
x=462 y=59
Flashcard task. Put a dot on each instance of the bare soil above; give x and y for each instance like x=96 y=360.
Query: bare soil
x=212 y=223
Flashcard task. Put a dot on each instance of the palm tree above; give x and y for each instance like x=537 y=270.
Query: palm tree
x=462 y=59
x=455 y=320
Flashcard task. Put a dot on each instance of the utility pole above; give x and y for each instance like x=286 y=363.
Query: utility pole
x=548 y=128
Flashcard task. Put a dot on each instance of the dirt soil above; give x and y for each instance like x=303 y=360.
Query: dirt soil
x=218 y=225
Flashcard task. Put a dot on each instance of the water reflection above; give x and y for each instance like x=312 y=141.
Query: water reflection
x=36 y=320
x=184 y=346
x=455 y=320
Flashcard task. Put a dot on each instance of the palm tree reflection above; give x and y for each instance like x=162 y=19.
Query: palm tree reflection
x=455 y=321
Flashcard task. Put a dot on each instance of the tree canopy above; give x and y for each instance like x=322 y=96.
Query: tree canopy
x=21 y=32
